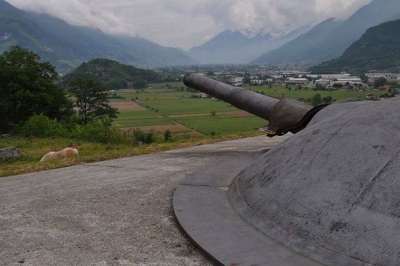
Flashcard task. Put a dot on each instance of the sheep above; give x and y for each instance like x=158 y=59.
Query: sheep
x=67 y=152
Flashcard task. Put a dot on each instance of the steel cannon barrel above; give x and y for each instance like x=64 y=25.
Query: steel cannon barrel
x=283 y=115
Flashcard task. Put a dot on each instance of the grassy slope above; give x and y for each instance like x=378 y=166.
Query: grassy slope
x=32 y=149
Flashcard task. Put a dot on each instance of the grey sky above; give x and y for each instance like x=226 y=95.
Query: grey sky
x=188 y=23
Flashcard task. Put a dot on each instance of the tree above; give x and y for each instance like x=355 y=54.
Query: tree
x=319 y=87
x=380 y=82
x=316 y=99
x=91 y=99
x=337 y=85
x=364 y=78
x=27 y=86
x=327 y=99
x=247 y=78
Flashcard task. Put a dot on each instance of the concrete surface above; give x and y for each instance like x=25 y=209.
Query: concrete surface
x=115 y=212
x=333 y=188
x=202 y=207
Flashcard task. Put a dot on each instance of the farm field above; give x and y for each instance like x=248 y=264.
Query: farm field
x=169 y=106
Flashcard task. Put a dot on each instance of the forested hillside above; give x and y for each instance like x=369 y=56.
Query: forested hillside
x=377 y=49
x=113 y=74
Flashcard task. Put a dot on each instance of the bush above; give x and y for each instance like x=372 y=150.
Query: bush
x=42 y=126
x=140 y=136
x=167 y=135
x=98 y=131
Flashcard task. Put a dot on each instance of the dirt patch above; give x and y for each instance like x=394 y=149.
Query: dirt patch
x=126 y=105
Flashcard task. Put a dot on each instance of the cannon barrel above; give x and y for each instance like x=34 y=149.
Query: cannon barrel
x=283 y=115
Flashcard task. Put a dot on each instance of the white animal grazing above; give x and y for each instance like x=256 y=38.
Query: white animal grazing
x=68 y=152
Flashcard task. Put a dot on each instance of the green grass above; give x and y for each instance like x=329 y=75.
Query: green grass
x=32 y=149
x=141 y=118
x=338 y=95
x=184 y=106
x=171 y=103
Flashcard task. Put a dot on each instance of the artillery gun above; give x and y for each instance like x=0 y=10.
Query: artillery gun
x=330 y=192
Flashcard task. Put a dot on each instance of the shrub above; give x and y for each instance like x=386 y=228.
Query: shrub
x=140 y=136
x=42 y=126
x=167 y=135
x=98 y=131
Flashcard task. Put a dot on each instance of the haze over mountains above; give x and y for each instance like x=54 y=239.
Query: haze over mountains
x=234 y=47
x=68 y=46
x=331 y=38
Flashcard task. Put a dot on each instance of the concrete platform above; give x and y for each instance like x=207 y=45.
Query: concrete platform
x=202 y=207
x=110 y=213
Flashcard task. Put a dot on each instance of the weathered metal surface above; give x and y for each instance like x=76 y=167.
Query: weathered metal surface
x=284 y=116
x=333 y=186
x=254 y=103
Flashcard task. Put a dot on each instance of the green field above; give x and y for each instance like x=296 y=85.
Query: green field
x=141 y=118
x=210 y=125
x=170 y=103
x=338 y=95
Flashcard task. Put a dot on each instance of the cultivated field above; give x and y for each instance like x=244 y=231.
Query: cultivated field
x=169 y=106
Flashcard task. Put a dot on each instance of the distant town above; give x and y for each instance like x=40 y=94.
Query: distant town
x=296 y=78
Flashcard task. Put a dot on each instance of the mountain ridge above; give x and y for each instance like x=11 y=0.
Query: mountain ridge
x=67 y=46
x=234 y=47
x=336 y=40
x=377 y=49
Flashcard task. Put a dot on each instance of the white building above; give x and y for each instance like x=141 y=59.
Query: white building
x=297 y=81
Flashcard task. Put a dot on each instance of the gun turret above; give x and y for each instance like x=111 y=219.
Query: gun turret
x=283 y=115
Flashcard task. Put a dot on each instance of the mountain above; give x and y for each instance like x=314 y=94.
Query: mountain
x=233 y=47
x=331 y=38
x=67 y=46
x=377 y=49
x=113 y=74
x=299 y=50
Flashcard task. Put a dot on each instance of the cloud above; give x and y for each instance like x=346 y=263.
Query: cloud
x=76 y=12
x=186 y=23
x=269 y=15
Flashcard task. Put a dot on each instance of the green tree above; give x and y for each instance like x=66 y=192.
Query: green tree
x=316 y=99
x=319 y=87
x=91 y=99
x=247 y=78
x=364 y=78
x=27 y=86
x=380 y=82
x=327 y=99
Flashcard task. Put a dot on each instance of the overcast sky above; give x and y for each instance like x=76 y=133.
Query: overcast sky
x=188 y=23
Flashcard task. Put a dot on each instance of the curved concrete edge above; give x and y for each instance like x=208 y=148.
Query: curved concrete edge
x=289 y=239
x=202 y=207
